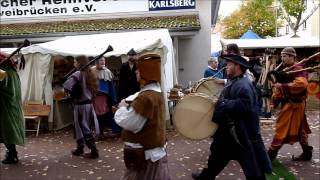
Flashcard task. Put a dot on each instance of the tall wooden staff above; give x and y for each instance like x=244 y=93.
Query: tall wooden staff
x=26 y=43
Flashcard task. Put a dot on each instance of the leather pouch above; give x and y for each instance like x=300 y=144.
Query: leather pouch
x=134 y=158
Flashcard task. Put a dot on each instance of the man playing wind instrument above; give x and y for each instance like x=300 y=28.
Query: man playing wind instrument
x=291 y=125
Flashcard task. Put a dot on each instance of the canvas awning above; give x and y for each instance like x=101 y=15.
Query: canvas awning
x=274 y=42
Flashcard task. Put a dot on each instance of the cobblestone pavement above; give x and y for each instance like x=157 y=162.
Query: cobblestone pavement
x=48 y=157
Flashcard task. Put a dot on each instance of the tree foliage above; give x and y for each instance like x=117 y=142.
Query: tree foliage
x=292 y=13
x=257 y=15
x=293 y=7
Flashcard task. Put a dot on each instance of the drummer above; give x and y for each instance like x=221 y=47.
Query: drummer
x=238 y=136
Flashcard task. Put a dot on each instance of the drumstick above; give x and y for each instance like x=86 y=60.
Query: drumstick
x=219 y=71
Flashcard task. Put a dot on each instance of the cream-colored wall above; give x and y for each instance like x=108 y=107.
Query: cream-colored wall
x=194 y=51
x=315 y=30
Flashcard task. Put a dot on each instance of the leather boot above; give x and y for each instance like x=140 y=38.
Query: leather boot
x=196 y=176
x=272 y=154
x=306 y=154
x=93 y=154
x=90 y=142
x=200 y=176
x=11 y=157
x=78 y=151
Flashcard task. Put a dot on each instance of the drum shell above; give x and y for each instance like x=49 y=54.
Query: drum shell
x=192 y=116
x=208 y=86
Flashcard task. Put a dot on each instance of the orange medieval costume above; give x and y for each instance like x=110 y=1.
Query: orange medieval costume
x=291 y=124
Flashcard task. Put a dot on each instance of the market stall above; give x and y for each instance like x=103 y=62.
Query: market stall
x=42 y=61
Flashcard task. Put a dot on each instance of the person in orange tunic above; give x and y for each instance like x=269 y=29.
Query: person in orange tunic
x=291 y=124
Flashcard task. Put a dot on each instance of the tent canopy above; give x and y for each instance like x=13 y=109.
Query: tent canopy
x=250 y=35
x=92 y=45
x=274 y=42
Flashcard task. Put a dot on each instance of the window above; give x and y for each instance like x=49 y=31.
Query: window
x=304 y=27
x=287 y=29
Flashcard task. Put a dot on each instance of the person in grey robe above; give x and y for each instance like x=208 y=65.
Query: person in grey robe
x=82 y=85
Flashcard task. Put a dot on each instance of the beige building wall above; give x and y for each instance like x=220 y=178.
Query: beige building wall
x=315 y=29
x=192 y=47
x=194 y=51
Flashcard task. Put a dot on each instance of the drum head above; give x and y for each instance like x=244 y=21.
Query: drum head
x=192 y=116
x=208 y=87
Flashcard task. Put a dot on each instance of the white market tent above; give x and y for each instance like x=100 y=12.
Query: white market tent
x=280 y=42
x=37 y=76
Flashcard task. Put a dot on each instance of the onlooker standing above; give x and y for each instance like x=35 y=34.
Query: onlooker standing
x=11 y=116
x=82 y=86
x=212 y=69
x=105 y=98
x=129 y=76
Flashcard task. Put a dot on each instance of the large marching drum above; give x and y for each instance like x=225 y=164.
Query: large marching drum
x=192 y=116
x=207 y=86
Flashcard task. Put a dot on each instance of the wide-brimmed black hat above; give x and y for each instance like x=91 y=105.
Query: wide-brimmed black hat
x=236 y=59
x=132 y=52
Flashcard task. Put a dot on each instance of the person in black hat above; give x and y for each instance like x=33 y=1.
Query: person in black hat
x=129 y=76
x=238 y=136
x=232 y=49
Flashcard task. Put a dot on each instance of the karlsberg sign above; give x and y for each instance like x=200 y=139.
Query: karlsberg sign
x=155 y=5
x=41 y=8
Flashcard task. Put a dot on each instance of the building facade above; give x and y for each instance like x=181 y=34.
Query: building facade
x=308 y=28
x=188 y=21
